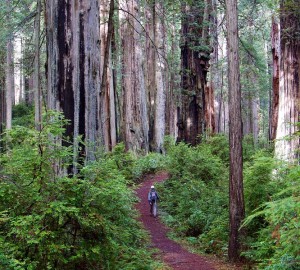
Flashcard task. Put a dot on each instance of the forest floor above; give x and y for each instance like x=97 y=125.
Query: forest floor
x=173 y=254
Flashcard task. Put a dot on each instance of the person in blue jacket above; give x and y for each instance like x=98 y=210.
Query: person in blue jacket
x=152 y=197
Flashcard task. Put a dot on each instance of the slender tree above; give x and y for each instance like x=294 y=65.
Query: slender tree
x=107 y=80
x=9 y=78
x=36 y=75
x=9 y=75
x=215 y=68
x=275 y=79
x=2 y=93
x=172 y=94
x=237 y=209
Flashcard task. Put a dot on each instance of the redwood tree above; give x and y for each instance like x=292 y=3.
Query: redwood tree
x=160 y=77
x=108 y=105
x=195 y=55
x=9 y=79
x=36 y=74
x=134 y=115
x=289 y=82
x=275 y=81
x=236 y=196
x=73 y=69
x=9 y=75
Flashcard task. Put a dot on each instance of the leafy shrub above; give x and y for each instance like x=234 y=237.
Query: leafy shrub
x=258 y=185
x=194 y=162
x=22 y=115
x=196 y=196
x=219 y=145
x=124 y=160
x=48 y=221
x=150 y=163
x=134 y=167
x=277 y=245
x=249 y=147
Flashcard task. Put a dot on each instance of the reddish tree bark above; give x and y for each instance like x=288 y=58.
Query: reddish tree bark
x=289 y=84
x=135 y=125
x=210 y=110
x=107 y=97
x=36 y=73
x=195 y=53
x=150 y=50
x=236 y=195
x=73 y=52
x=275 y=80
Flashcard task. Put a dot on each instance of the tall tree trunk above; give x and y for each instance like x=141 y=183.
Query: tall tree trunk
x=215 y=74
x=2 y=97
x=223 y=114
x=210 y=109
x=73 y=50
x=9 y=78
x=275 y=84
x=17 y=69
x=251 y=108
x=135 y=121
x=255 y=116
x=237 y=209
x=160 y=78
x=194 y=66
x=107 y=84
x=2 y=109
x=36 y=72
x=22 y=72
x=150 y=69
x=174 y=84
x=289 y=85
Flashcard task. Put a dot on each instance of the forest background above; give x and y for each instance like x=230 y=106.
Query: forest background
x=95 y=93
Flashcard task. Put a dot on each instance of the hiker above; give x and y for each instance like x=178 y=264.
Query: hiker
x=152 y=197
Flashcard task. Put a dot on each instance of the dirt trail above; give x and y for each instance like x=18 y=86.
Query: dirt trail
x=172 y=253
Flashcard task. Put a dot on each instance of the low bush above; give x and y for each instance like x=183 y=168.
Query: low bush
x=23 y=115
x=149 y=163
x=258 y=186
x=219 y=145
x=277 y=245
x=195 y=197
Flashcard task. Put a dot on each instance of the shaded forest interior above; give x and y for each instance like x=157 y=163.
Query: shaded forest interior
x=96 y=93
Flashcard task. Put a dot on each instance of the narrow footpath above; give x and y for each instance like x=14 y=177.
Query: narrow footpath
x=172 y=253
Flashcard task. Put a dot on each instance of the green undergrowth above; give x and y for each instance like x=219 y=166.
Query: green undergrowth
x=195 y=199
x=23 y=115
x=51 y=220
x=84 y=221
x=194 y=202
x=273 y=216
x=133 y=166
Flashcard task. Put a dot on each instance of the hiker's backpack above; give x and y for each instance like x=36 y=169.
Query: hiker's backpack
x=153 y=195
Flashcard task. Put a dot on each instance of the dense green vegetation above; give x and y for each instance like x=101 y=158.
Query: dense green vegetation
x=196 y=196
x=88 y=221
x=196 y=202
x=274 y=236
x=85 y=221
